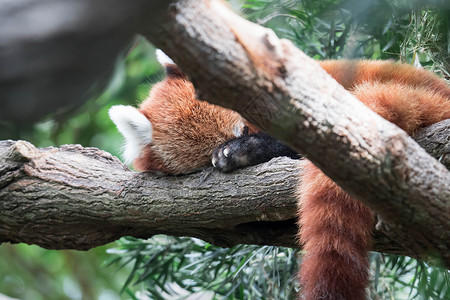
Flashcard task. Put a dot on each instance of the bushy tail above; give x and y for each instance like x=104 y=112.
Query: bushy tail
x=335 y=231
x=334 y=228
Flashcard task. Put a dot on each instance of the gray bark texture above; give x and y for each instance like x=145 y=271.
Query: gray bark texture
x=53 y=198
x=78 y=198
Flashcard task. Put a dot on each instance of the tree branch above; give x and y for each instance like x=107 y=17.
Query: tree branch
x=242 y=66
x=78 y=198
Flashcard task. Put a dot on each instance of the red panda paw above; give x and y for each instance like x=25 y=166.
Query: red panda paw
x=249 y=150
x=225 y=159
x=135 y=128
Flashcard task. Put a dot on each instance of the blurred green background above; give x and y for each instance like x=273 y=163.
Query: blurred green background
x=164 y=267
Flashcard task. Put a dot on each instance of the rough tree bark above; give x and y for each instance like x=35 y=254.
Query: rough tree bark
x=79 y=198
x=245 y=67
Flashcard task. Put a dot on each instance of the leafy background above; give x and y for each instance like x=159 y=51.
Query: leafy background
x=416 y=32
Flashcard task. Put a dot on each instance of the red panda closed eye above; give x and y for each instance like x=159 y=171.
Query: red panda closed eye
x=172 y=131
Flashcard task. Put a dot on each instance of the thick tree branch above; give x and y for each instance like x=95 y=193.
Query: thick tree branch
x=78 y=198
x=245 y=67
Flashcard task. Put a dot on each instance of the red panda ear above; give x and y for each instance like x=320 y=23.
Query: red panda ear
x=172 y=69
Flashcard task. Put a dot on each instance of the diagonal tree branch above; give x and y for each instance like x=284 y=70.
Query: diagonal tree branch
x=240 y=65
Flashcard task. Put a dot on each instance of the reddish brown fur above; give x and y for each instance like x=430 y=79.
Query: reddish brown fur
x=350 y=73
x=185 y=129
x=335 y=229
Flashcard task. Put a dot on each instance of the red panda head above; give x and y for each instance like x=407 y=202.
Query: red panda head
x=172 y=131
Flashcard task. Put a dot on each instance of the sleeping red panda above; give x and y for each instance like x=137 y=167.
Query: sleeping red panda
x=173 y=132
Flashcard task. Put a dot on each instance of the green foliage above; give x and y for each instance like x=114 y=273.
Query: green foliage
x=400 y=30
x=427 y=40
x=401 y=277
x=171 y=267
x=30 y=272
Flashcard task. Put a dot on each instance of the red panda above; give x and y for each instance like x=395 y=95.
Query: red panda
x=173 y=132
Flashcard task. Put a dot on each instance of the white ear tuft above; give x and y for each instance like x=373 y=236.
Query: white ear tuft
x=163 y=58
x=135 y=128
